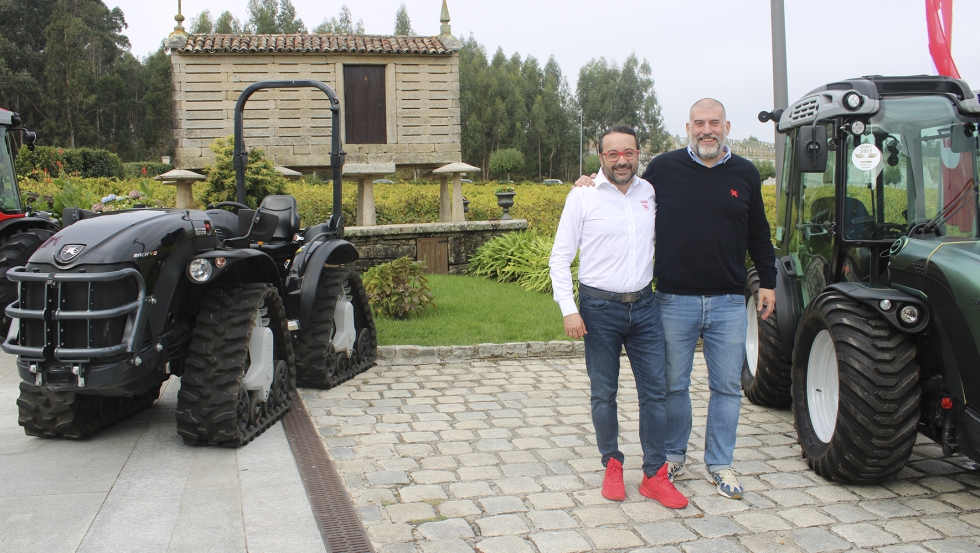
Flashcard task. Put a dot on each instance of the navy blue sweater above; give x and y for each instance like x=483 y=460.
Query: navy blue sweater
x=707 y=218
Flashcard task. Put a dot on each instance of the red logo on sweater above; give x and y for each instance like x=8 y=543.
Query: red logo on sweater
x=734 y=193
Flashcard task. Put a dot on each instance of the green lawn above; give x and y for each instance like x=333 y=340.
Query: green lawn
x=472 y=310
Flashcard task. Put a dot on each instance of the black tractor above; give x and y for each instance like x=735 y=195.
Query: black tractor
x=876 y=334
x=21 y=232
x=242 y=304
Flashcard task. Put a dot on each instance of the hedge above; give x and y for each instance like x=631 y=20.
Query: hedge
x=50 y=161
x=145 y=169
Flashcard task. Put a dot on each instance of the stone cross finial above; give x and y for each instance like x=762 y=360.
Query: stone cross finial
x=178 y=38
x=444 y=19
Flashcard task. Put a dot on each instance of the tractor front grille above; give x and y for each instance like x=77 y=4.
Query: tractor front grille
x=76 y=316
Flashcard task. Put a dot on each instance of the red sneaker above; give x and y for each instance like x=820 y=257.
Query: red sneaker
x=612 y=484
x=661 y=489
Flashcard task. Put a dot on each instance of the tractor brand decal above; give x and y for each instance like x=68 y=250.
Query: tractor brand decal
x=70 y=251
x=866 y=157
x=975 y=303
x=144 y=254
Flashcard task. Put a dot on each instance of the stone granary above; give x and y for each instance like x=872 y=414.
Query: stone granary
x=399 y=97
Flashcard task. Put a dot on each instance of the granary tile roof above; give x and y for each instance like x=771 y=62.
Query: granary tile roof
x=243 y=44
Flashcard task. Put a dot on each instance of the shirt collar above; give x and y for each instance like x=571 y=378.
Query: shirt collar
x=724 y=148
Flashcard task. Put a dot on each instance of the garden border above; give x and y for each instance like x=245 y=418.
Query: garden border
x=415 y=355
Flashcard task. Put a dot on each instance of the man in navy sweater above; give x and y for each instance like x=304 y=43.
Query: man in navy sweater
x=709 y=213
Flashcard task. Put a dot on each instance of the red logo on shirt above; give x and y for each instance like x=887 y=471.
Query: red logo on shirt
x=645 y=204
x=734 y=193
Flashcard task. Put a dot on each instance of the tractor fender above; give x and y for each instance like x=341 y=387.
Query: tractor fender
x=15 y=224
x=788 y=304
x=244 y=265
x=873 y=296
x=327 y=252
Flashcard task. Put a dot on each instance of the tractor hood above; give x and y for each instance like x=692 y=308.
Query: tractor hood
x=133 y=236
x=944 y=271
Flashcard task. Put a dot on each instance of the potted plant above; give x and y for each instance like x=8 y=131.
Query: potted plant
x=505 y=199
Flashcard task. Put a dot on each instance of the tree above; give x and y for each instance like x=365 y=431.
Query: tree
x=227 y=24
x=403 y=25
x=766 y=168
x=506 y=160
x=22 y=45
x=286 y=20
x=609 y=95
x=342 y=25
x=273 y=17
x=202 y=24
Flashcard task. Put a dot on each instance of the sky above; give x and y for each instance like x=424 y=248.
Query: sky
x=695 y=49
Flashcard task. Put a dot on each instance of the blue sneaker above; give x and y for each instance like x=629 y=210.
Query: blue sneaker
x=674 y=469
x=726 y=483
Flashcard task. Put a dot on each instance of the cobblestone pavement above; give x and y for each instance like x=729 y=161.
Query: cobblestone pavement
x=499 y=457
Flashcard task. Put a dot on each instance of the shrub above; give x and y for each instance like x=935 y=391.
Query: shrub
x=398 y=288
x=520 y=257
x=592 y=164
x=261 y=177
x=56 y=162
x=145 y=169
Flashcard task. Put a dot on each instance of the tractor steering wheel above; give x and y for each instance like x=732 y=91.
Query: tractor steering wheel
x=235 y=205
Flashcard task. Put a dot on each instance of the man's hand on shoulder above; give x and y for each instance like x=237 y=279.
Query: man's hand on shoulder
x=575 y=326
x=767 y=302
x=586 y=180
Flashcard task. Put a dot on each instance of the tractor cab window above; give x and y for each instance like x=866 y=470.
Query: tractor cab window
x=928 y=162
x=877 y=196
x=813 y=243
x=9 y=199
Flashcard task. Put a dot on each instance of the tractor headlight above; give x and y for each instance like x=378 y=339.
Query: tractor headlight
x=909 y=314
x=200 y=270
x=885 y=305
x=858 y=127
x=853 y=101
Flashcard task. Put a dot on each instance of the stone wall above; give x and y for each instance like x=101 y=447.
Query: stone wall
x=384 y=243
x=293 y=125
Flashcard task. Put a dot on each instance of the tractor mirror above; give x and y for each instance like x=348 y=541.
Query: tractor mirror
x=811 y=149
x=961 y=139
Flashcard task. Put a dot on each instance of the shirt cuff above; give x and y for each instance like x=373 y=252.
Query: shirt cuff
x=568 y=307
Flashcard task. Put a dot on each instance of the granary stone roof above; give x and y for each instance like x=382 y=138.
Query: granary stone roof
x=364 y=44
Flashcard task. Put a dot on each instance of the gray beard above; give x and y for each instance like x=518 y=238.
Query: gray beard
x=705 y=152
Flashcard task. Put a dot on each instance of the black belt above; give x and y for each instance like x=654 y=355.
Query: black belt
x=628 y=297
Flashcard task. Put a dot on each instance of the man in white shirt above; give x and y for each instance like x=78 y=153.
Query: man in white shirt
x=611 y=227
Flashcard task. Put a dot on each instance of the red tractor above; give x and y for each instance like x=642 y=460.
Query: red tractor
x=21 y=232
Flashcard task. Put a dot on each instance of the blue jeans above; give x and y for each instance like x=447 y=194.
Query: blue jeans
x=721 y=322
x=611 y=326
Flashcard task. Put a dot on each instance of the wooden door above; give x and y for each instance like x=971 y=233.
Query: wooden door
x=365 y=111
x=435 y=253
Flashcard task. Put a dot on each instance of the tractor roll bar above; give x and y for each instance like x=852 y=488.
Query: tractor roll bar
x=337 y=155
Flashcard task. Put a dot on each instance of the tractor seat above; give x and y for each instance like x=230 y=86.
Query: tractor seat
x=286 y=209
x=858 y=224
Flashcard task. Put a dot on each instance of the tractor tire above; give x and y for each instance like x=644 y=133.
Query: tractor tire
x=15 y=251
x=213 y=405
x=49 y=414
x=855 y=391
x=317 y=364
x=766 y=378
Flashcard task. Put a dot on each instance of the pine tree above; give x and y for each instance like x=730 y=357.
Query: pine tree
x=202 y=24
x=403 y=25
x=227 y=24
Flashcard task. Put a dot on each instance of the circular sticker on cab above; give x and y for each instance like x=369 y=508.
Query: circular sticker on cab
x=866 y=157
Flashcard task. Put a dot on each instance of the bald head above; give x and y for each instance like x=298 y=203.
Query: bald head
x=708 y=104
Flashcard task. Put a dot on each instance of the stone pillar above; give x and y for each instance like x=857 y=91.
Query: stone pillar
x=458 y=198
x=185 y=194
x=445 y=209
x=366 y=216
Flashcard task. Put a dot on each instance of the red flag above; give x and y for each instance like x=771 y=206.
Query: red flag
x=939 y=20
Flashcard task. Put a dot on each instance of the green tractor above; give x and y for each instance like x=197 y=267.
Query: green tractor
x=21 y=233
x=876 y=333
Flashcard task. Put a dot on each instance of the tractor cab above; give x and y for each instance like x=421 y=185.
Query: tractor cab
x=9 y=194
x=867 y=162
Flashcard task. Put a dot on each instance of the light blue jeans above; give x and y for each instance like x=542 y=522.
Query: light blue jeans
x=721 y=322
x=636 y=327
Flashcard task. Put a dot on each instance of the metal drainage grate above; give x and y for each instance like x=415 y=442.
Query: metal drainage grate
x=339 y=524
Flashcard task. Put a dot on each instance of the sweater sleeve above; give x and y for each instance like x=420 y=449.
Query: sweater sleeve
x=759 y=240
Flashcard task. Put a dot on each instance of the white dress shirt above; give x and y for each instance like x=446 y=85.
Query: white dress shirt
x=613 y=234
